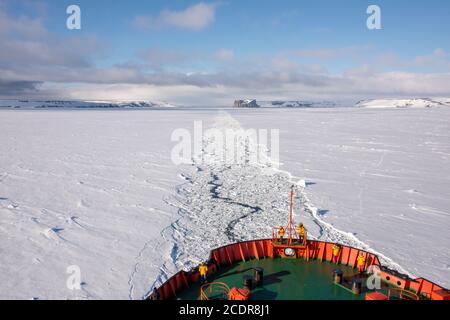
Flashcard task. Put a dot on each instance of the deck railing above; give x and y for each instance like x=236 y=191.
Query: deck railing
x=400 y=294
x=295 y=238
x=260 y=249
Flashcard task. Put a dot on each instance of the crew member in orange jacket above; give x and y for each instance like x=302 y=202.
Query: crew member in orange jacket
x=281 y=234
x=301 y=232
x=203 y=269
x=361 y=263
x=336 y=250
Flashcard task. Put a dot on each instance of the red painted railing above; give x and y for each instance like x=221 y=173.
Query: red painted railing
x=400 y=294
x=260 y=249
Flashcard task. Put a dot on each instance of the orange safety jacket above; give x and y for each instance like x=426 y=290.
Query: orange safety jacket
x=203 y=270
x=361 y=261
x=335 y=251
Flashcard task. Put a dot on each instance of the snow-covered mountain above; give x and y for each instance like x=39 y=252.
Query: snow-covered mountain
x=374 y=103
x=404 y=103
x=297 y=104
x=73 y=104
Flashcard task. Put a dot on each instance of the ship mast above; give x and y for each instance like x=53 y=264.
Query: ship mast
x=291 y=226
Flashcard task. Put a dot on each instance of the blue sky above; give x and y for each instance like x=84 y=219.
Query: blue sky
x=210 y=52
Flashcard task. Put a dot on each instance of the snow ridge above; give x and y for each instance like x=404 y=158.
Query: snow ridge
x=404 y=103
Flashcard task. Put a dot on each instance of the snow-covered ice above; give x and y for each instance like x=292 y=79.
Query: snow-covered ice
x=98 y=189
x=84 y=188
x=380 y=175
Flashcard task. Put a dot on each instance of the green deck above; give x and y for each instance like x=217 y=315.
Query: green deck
x=285 y=279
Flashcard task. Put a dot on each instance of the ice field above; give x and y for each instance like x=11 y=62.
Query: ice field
x=98 y=190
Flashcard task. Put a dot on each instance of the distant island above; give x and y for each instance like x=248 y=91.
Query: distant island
x=78 y=104
x=247 y=103
x=253 y=103
x=401 y=103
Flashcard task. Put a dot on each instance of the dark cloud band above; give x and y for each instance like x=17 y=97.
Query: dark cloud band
x=15 y=88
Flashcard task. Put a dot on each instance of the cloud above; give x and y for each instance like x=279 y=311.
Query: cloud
x=224 y=55
x=22 y=25
x=438 y=58
x=386 y=59
x=196 y=18
x=278 y=80
x=31 y=55
x=222 y=89
x=15 y=88
x=35 y=62
x=157 y=58
x=26 y=43
x=331 y=53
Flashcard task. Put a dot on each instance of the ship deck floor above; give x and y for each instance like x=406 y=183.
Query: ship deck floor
x=288 y=279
